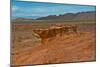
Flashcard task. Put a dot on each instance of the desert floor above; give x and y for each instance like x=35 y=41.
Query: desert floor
x=71 y=47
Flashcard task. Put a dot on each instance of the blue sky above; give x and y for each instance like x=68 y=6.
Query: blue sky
x=37 y=9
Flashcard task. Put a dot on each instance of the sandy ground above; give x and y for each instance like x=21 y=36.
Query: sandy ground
x=68 y=48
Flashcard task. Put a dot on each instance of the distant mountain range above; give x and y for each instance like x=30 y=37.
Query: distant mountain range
x=80 y=16
x=90 y=15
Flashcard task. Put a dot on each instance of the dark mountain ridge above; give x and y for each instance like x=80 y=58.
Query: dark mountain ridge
x=89 y=15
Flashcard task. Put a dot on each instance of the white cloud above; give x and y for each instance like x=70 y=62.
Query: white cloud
x=14 y=8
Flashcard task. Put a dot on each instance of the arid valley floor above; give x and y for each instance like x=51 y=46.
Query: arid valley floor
x=26 y=49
